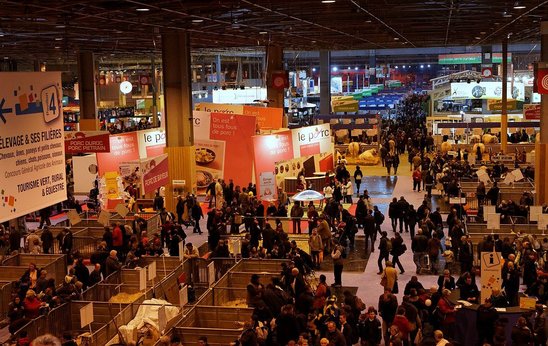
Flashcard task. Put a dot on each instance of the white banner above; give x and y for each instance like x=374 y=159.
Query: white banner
x=311 y=140
x=486 y=91
x=84 y=170
x=32 y=144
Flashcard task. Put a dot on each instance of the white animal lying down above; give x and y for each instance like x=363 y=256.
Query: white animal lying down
x=475 y=148
x=369 y=157
x=487 y=138
x=445 y=147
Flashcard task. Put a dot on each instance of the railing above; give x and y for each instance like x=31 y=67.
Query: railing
x=55 y=322
x=6 y=289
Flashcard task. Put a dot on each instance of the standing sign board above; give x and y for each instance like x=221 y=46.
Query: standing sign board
x=32 y=148
x=183 y=296
x=86 y=315
x=491 y=265
x=142 y=279
x=211 y=274
x=152 y=271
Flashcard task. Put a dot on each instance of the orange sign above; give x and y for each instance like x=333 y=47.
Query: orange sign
x=267 y=118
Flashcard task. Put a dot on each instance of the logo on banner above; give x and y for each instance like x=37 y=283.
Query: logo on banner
x=541 y=80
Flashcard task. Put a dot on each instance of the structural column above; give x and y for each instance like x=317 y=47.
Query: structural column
x=504 y=115
x=325 y=82
x=178 y=113
x=86 y=86
x=541 y=147
x=274 y=63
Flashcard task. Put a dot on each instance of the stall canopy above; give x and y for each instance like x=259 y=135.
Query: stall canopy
x=307 y=196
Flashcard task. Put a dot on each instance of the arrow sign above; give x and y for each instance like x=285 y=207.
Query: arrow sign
x=4 y=110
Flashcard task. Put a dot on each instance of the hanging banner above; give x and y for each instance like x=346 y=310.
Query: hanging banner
x=123 y=147
x=486 y=90
x=87 y=142
x=311 y=140
x=540 y=85
x=32 y=151
x=155 y=173
x=267 y=117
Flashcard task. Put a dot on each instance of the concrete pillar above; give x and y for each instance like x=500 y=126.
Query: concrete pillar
x=274 y=62
x=504 y=115
x=218 y=69
x=372 y=64
x=325 y=82
x=178 y=113
x=541 y=147
x=87 y=91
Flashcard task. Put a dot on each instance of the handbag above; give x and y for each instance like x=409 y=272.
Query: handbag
x=395 y=289
x=384 y=281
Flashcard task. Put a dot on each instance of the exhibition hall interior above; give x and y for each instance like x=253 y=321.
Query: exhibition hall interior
x=259 y=172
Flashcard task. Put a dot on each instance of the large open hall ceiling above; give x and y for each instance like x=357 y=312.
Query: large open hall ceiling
x=53 y=29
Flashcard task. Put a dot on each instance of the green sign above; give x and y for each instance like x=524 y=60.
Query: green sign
x=469 y=58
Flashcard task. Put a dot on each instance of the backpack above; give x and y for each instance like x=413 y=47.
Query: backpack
x=402 y=249
x=381 y=217
x=389 y=245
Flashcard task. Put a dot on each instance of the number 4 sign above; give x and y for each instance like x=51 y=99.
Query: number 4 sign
x=51 y=104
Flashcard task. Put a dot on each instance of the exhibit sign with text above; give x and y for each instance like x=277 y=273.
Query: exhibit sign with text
x=491 y=266
x=486 y=91
x=32 y=149
x=87 y=142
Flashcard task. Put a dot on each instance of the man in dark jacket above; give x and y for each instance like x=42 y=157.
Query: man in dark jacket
x=384 y=250
x=402 y=206
x=47 y=240
x=370 y=230
x=335 y=337
x=112 y=264
x=419 y=246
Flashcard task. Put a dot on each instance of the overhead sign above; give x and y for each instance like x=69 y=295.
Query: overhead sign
x=486 y=91
x=531 y=111
x=32 y=151
x=469 y=58
x=87 y=142
x=155 y=173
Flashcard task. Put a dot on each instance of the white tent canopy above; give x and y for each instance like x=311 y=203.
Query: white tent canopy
x=307 y=196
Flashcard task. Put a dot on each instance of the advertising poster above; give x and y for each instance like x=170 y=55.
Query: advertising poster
x=84 y=170
x=268 y=118
x=486 y=91
x=151 y=143
x=210 y=161
x=32 y=150
x=111 y=184
x=155 y=173
x=267 y=187
x=269 y=149
x=491 y=265
x=311 y=140
x=87 y=142
x=237 y=132
x=123 y=147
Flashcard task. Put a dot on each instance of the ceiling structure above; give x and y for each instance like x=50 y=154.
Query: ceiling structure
x=57 y=29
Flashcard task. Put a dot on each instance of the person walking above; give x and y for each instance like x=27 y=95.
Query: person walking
x=389 y=278
x=369 y=230
x=358 y=179
x=393 y=213
x=197 y=214
x=398 y=249
x=417 y=179
x=385 y=245
x=316 y=247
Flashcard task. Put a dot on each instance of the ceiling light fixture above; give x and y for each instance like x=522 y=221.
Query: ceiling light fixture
x=57 y=47
x=328 y=1
x=335 y=69
x=142 y=9
x=396 y=38
x=368 y=21
x=58 y=39
x=396 y=67
x=60 y=26
x=197 y=20
x=518 y=5
x=477 y=38
x=263 y=32
x=507 y=14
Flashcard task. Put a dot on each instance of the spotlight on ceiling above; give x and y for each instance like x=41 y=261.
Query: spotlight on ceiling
x=507 y=14
x=197 y=20
x=518 y=5
x=142 y=9
x=335 y=68
x=328 y=1
x=313 y=69
x=422 y=66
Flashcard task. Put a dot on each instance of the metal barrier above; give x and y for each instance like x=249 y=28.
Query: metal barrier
x=6 y=290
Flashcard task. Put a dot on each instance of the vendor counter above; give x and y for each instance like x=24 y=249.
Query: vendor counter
x=290 y=183
x=466 y=332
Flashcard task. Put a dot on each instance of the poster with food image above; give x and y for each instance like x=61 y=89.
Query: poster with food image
x=288 y=168
x=210 y=158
